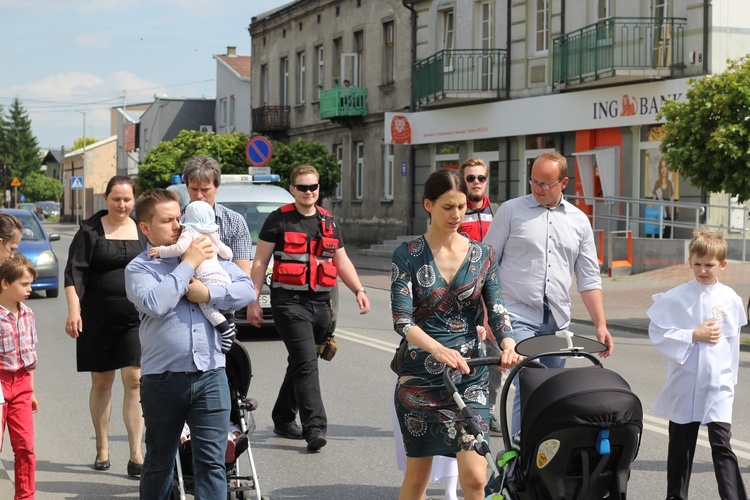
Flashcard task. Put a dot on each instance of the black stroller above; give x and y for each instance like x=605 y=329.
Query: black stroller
x=580 y=431
x=239 y=486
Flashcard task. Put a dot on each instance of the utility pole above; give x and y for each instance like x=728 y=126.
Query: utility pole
x=83 y=177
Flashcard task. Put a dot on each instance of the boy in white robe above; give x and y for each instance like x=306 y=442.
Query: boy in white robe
x=697 y=327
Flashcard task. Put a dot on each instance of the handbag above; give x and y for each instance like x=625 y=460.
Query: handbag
x=327 y=350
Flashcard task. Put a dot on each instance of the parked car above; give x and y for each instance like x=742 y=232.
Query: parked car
x=28 y=206
x=35 y=246
x=48 y=209
x=254 y=200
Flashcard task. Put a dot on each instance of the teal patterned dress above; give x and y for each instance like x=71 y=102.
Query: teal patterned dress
x=449 y=313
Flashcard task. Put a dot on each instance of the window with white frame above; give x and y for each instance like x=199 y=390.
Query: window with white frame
x=301 y=71
x=359 y=171
x=359 y=49
x=388 y=172
x=224 y=111
x=264 y=84
x=284 y=87
x=339 y=151
x=319 y=73
x=486 y=65
x=542 y=25
x=448 y=41
x=389 y=53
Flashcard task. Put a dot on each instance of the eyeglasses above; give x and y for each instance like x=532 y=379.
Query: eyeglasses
x=543 y=185
x=306 y=187
x=472 y=178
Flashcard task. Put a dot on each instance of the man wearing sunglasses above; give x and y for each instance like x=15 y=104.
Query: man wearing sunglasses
x=541 y=241
x=309 y=255
x=474 y=226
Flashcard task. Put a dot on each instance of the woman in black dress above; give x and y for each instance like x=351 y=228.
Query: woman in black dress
x=102 y=319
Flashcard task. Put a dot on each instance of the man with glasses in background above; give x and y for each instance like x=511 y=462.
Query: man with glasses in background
x=474 y=226
x=541 y=241
x=309 y=255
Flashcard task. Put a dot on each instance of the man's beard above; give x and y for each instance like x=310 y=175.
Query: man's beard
x=476 y=198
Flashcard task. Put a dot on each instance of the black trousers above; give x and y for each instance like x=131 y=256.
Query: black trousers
x=682 y=441
x=302 y=323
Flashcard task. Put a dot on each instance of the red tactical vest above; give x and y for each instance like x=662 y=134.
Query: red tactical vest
x=476 y=222
x=301 y=262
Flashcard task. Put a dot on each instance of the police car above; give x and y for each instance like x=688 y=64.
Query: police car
x=253 y=197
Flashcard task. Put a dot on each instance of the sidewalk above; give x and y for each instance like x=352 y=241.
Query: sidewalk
x=626 y=298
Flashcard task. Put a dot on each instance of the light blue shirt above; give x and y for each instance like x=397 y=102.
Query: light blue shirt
x=175 y=335
x=539 y=250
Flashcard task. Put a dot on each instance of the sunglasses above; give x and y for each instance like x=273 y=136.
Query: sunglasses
x=472 y=178
x=306 y=187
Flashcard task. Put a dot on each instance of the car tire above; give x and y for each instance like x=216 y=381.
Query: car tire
x=53 y=293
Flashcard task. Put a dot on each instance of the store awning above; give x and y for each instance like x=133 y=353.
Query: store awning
x=605 y=161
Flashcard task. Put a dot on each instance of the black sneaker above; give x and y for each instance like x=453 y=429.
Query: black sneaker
x=289 y=431
x=316 y=440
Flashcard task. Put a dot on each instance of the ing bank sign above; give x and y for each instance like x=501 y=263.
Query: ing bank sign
x=631 y=105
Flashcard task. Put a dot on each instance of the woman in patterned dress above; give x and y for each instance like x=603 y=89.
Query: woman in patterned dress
x=438 y=283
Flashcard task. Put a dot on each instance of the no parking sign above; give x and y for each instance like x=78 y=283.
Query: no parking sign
x=258 y=151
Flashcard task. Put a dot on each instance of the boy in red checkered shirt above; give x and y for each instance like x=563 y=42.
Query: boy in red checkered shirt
x=17 y=363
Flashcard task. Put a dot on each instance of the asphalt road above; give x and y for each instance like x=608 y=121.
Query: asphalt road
x=359 y=460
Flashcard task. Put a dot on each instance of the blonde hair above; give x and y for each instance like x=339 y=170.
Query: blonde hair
x=302 y=170
x=707 y=243
x=474 y=162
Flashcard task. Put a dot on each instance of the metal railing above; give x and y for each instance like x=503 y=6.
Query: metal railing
x=599 y=49
x=267 y=118
x=615 y=213
x=460 y=71
x=343 y=101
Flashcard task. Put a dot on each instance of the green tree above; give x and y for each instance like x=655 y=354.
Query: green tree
x=38 y=187
x=707 y=136
x=19 y=143
x=79 y=142
x=168 y=158
x=286 y=157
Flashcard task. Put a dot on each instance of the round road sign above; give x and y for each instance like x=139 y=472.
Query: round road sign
x=258 y=151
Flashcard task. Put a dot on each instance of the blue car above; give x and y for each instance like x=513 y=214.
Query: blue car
x=35 y=246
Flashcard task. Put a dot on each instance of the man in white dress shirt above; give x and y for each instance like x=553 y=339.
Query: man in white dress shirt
x=541 y=241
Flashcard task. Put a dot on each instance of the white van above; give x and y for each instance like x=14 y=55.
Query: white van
x=254 y=200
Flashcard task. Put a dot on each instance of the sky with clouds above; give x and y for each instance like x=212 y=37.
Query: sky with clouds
x=65 y=57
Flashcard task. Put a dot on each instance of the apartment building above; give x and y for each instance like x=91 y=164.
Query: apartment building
x=505 y=80
x=328 y=71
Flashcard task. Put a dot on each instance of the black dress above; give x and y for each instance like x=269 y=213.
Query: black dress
x=109 y=340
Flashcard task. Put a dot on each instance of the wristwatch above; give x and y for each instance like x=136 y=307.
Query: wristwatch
x=360 y=289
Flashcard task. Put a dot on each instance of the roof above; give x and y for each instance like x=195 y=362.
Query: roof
x=239 y=64
x=52 y=156
x=91 y=146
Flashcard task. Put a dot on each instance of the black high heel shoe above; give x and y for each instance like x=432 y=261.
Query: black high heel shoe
x=102 y=465
x=134 y=469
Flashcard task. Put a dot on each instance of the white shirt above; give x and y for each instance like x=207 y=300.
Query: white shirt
x=539 y=250
x=700 y=376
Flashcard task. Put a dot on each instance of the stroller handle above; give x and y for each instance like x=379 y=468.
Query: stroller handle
x=486 y=361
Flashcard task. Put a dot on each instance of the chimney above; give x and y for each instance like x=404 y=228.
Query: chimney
x=232 y=50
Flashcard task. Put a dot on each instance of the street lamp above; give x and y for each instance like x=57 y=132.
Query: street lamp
x=83 y=177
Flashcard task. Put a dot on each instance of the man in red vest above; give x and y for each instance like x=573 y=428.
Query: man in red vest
x=474 y=226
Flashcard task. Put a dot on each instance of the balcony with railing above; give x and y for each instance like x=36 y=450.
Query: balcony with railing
x=271 y=119
x=343 y=104
x=619 y=50
x=460 y=76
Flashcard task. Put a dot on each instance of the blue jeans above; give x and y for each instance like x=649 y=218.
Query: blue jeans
x=523 y=330
x=169 y=400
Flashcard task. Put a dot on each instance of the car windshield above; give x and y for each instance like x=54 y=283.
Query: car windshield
x=255 y=214
x=32 y=231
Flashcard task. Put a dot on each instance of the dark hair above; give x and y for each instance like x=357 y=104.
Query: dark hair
x=146 y=203
x=442 y=181
x=9 y=227
x=13 y=268
x=117 y=180
x=202 y=168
